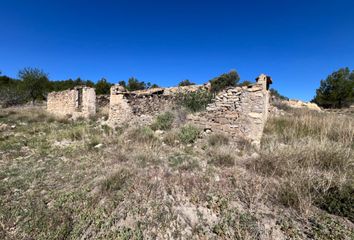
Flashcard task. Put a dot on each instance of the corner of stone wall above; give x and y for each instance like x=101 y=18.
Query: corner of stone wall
x=240 y=112
x=119 y=109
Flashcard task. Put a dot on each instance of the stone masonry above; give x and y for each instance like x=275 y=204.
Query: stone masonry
x=143 y=105
x=240 y=112
x=77 y=102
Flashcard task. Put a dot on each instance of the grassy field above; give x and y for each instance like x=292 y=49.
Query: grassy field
x=84 y=180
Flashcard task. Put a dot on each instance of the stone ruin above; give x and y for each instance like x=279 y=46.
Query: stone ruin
x=142 y=106
x=240 y=112
x=77 y=102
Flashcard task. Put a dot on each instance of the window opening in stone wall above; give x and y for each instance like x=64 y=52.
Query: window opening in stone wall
x=79 y=99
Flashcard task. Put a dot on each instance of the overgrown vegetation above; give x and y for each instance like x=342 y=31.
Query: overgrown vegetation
x=218 y=139
x=311 y=157
x=225 y=80
x=195 y=101
x=185 y=82
x=163 y=121
x=61 y=179
x=188 y=134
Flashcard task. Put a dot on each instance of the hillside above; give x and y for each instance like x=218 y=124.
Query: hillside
x=84 y=180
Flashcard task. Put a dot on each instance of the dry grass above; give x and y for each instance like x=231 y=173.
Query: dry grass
x=56 y=183
x=308 y=154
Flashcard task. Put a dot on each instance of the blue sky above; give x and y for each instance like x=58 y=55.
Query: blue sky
x=298 y=43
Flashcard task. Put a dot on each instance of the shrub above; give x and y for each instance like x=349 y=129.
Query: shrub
x=142 y=135
x=171 y=138
x=221 y=159
x=77 y=133
x=338 y=201
x=188 y=134
x=185 y=82
x=195 y=101
x=218 y=140
x=163 y=121
x=225 y=80
x=116 y=182
x=182 y=162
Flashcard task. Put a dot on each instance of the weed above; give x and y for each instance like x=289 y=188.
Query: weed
x=221 y=158
x=183 y=162
x=142 y=135
x=188 y=134
x=171 y=138
x=338 y=201
x=163 y=121
x=116 y=182
x=195 y=101
x=218 y=140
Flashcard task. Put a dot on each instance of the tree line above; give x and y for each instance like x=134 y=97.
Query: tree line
x=33 y=84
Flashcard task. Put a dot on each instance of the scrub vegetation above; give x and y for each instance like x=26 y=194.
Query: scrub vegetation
x=61 y=179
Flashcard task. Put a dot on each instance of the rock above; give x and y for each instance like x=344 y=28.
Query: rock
x=217 y=178
x=98 y=145
x=299 y=104
x=159 y=132
x=3 y=126
x=13 y=126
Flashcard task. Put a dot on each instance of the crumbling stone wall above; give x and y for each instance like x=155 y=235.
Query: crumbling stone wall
x=143 y=105
x=238 y=111
x=77 y=102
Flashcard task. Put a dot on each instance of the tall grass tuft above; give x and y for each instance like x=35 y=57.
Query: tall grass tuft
x=311 y=157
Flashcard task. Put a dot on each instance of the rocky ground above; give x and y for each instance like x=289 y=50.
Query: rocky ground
x=85 y=180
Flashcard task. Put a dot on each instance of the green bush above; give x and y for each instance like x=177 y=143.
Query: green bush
x=225 y=80
x=163 y=121
x=195 y=101
x=188 y=134
x=338 y=201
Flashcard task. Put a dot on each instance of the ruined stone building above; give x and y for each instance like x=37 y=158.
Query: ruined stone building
x=77 y=102
x=240 y=112
x=237 y=111
x=143 y=105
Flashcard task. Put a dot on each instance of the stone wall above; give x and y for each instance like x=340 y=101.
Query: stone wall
x=238 y=111
x=143 y=105
x=77 y=102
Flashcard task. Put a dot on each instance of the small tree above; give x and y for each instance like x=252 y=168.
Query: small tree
x=134 y=84
x=103 y=87
x=185 y=82
x=122 y=83
x=154 y=85
x=35 y=82
x=337 y=90
x=225 y=80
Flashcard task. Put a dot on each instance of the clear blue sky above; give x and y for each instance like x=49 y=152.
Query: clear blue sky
x=296 y=42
